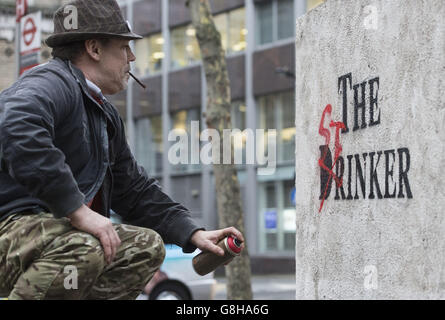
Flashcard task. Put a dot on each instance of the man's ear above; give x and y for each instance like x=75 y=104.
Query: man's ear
x=93 y=49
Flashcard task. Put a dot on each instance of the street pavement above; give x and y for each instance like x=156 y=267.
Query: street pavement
x=264 y=287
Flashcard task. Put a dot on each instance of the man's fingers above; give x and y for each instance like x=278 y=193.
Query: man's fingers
x=233 y=231
x=106 y=244
x=93 y=223
x=214 y=248
x=118 y=240
x=208 y=240
x=115 y=242
x=113 y=246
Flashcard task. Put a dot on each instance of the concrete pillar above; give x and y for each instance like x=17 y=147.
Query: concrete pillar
x=373 y=227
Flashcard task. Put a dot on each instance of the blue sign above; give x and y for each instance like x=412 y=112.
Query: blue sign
x=271 y=219
x=292 y=196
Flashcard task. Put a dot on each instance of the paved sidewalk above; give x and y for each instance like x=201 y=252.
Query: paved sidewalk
x=264 y=287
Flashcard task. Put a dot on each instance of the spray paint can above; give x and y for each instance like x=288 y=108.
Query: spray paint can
x=206 y=262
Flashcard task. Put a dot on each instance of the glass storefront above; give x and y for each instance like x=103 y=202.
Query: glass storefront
x=277 y=216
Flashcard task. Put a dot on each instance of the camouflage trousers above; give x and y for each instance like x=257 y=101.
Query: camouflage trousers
x=42 y=257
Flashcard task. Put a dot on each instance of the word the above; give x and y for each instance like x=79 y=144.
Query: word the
x=360 y=98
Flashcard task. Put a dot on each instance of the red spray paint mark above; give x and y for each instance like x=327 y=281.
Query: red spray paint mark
x=337 y=150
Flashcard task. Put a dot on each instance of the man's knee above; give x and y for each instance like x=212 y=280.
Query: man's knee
x=159 y=248
x=84 y=252
x=68 y=268
x=152 y=247
x=156 y=255
x=140 y=243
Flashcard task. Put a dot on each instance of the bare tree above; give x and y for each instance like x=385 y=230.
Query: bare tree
x=217 y=117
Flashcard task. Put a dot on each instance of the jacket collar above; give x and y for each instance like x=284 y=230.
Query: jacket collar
x=81 y=80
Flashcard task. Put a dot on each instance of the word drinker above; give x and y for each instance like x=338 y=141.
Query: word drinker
x=395 y=184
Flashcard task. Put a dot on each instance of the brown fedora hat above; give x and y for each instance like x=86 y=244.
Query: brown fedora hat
x=88 y=19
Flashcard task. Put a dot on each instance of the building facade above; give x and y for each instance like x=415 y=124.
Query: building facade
x=259 y=40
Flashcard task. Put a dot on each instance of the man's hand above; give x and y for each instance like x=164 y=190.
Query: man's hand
x=93 y=223
x=207 y=240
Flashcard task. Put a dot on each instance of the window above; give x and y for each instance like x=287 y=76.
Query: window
x=270 y=216
x=274 y=21
x=231 y=26
x=286 y=23
x=277 y=112
x=149 y=54
x=289 y=215
x=237 y=31
x=184 y=47
x=264 y=23
x=277 y=216
x=238 y=115
x=149 y=147
x=183 y=130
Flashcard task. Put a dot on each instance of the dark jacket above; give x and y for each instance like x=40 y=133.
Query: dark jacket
x=59 y=148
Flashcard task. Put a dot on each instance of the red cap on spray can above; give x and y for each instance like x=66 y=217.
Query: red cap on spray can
x=207 y=261
x=233 y=244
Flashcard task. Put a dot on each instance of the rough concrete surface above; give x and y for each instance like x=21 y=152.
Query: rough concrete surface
x=390 y=242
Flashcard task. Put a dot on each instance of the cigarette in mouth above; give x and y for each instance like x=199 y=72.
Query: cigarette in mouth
x=137 y=80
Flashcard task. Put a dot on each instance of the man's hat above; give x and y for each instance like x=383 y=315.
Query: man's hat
x=88 y=19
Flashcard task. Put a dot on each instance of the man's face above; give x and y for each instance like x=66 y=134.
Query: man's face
x=114 y=66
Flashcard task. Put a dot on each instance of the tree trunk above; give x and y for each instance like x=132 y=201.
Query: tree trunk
x=217 y=116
